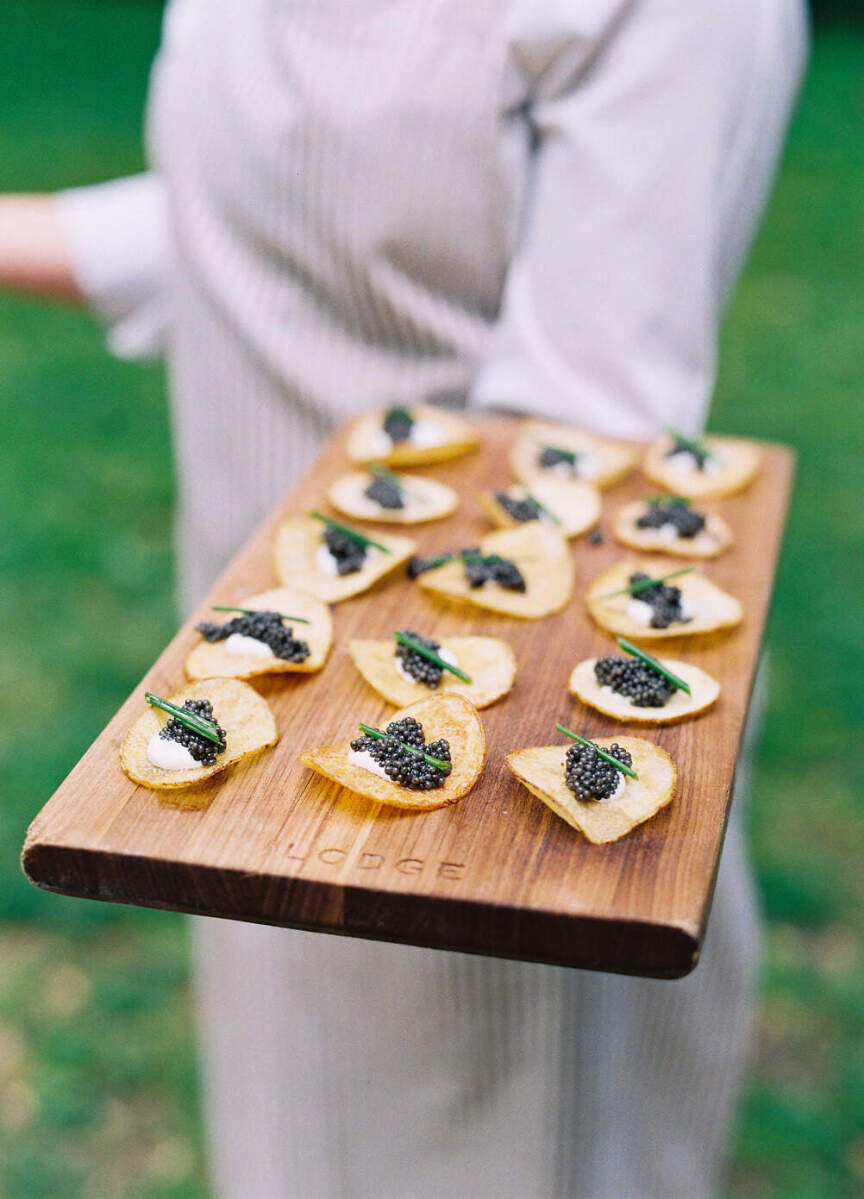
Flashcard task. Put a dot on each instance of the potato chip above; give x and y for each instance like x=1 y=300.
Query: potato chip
x=296 y=548
x=488 y=662
x=573 y=502
x=736 y=463
x=368 y=442
x=713 y=539
x=711 y=607
x=211 y=660
x=247 y=720
x=423 y=499
x=603 y=461
x=679 y=706
x=541 y=770
x=449 y=716
x=541 y=554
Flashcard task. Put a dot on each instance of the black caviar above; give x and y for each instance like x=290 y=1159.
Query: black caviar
x=201 y=748
x=485 y=567
x=587 y=774
x=639 y=682
x=402 y=767
x=595 y=537
x=415 y=664
x=263 y=626
x=398 y=423
x=551 y=457
x=521 y=510
x=664 y=601
x=685 y=521
x=385 y=493
x=348 y=553
x=680 y=446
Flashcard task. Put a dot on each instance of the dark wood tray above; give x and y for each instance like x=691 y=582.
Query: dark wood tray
x=495 y=874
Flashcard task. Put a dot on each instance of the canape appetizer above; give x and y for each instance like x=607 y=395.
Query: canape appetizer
x=333 y=561
x=283 y=630
x=525 y=572
x=429 y=755
x=378 y=494
x=603 y=788
x=404 y=669
x=642 y=689
x=570 y=505
x=195 y=733
x=636 y=599
x=560 y=452
x=704 y=467
x=669 y=525
x=409 y=436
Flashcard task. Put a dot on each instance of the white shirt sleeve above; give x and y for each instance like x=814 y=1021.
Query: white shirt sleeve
x=118 y=238
x=654 y=147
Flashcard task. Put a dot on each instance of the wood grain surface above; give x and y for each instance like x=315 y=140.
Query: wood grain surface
x=495 y=874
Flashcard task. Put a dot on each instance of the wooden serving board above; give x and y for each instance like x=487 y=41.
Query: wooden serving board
x=496 y=873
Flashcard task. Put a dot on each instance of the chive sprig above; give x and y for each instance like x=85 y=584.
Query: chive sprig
x=197 y=724
x=255 y=611
x=354 y=534
x=644 y=584
x=613 y=761
x=431 y=656
x=689 y=443
x=377 y=735
x=541 y=507
x=636 y=652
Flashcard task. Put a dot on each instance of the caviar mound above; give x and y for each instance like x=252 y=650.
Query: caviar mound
x=680 y=706
x=247 y=720
x=575 y=503
x=488 y=661
x=604 y=461
x=738 y=461
x=541 y=770
x=543 y=558
x=210 y=660
x=295 y=548
x=422 y=499
x=365 y=442
x=445 y=716
x=714 y=539
x=712 y=608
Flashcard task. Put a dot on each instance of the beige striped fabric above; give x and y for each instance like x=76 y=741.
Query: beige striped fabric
x=367 y=201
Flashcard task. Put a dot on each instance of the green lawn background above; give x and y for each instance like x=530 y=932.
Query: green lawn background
x=97 y=1074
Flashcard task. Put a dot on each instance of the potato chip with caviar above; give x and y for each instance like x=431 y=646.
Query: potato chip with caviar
x=247 y=720
x=730 y=465
x=237 y=658
x=679 y=706
x=446 y=716
x=419 y=434
x=303 y=560
x=488 y=662
x=541 y=770
x=711 y=540
x=543 y=559
x=419 y=499
x=570 y=505
x=562 y=452
x=707 y=605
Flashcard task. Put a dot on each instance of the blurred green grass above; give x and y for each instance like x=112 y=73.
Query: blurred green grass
x=97 y=1074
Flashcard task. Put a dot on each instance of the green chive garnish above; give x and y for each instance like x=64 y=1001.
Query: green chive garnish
x=568 y=455
x=255 y=611
x=197 y=724
x=430 y=656
x=630 y=648
x=644 y=584
x=541 y=507
x=349 y=532
x=387 y=476
x=690 y=443
x=377 y=735
x=681 y=500
x=602 y=752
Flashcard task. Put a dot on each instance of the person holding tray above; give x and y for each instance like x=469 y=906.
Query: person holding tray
x=529 y=205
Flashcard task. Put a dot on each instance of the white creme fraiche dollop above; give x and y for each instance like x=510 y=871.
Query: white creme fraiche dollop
x=363 y=758
x=444 y=654
x=688 y=464
x=168 y=754
x=239 y=643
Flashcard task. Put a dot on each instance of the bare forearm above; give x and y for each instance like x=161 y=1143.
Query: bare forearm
x=34 y=255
